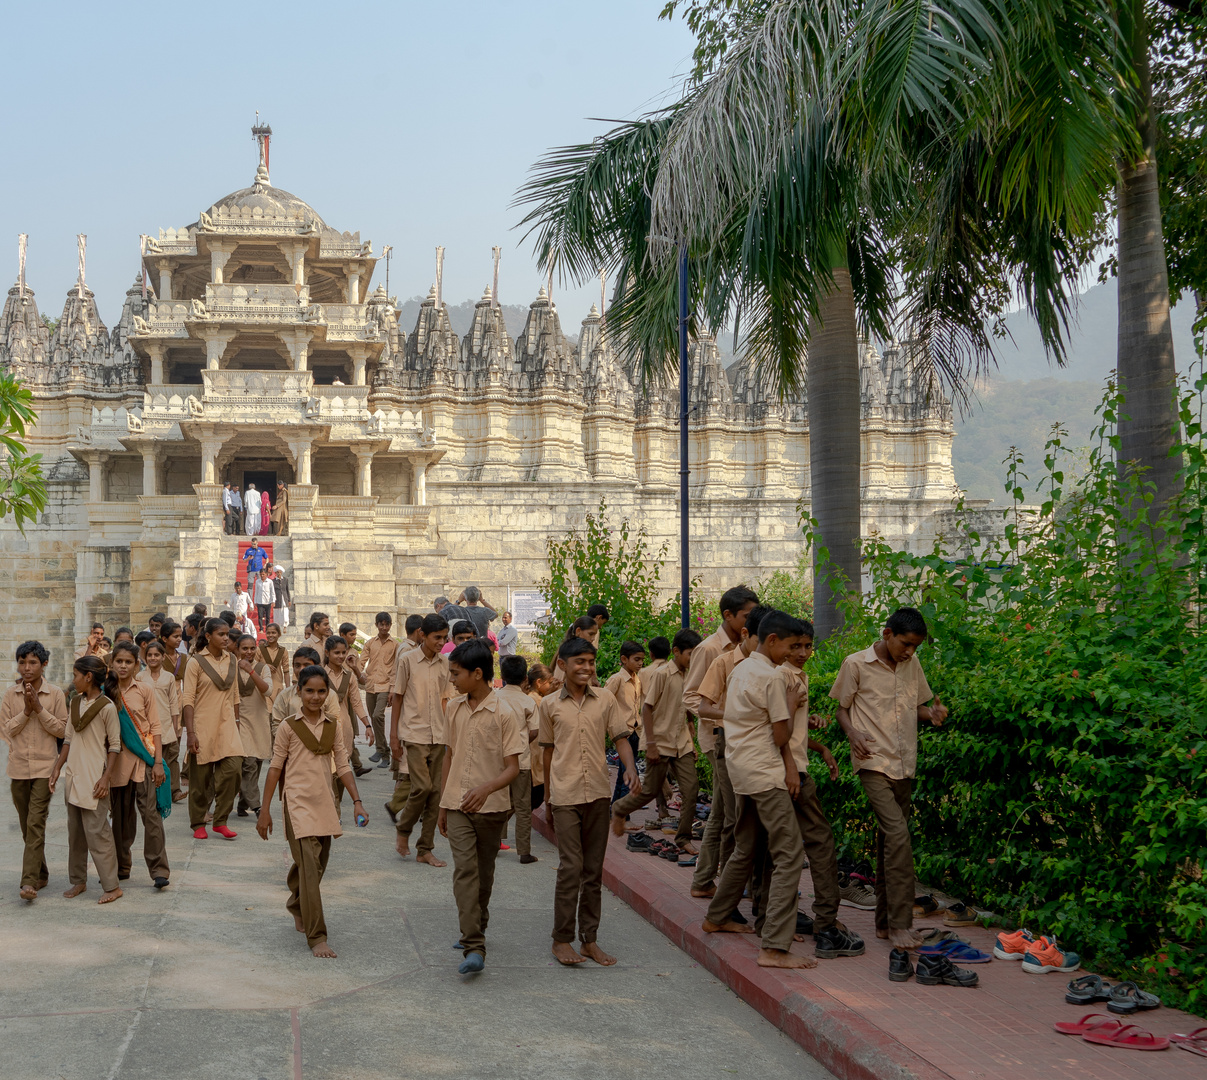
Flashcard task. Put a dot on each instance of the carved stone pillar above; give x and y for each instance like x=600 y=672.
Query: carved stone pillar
x=300 y=448
x=157 y=351
x=364 y=472
x=165 y=279
x=96 y=476
x=296 y=257
x=150 y=470
x=211 y=446
x=419 y=481
x=219 y=256
x=353 y=283
x=298 y=344
x=216 y=342
x=360 y=356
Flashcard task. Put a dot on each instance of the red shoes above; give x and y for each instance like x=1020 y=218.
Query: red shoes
x=225 y=832
x=199 y=833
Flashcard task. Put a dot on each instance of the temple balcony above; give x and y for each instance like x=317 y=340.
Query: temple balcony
x=165 y=319
x=349 y=323
x=273 y=305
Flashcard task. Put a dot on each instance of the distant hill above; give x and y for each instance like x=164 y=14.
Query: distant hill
x=1020 y=401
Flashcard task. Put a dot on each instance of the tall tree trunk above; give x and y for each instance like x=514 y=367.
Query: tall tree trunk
x=834 y=450
x=1147 y=374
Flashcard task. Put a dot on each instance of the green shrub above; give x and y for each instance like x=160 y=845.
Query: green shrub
x=1067 y=789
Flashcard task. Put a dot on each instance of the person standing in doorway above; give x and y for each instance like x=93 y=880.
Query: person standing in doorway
x=236 y=509
x=280 y=584
x=265 y=513
x=226 y=508
x=280 y=511
x=251 y=512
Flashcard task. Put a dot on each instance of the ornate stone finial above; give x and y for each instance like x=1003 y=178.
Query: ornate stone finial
x=262 y=133
x=593 y=313
x=487 y=295
x=542 y=296
x=431 y=296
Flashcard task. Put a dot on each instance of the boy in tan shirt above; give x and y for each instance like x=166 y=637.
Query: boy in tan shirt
x=573 y=723
x=758 y=726
x=482 y=759
x=667 y=741
x=417 y=723
x=625 y=686
x=881 y=693
x=33 y=716
x=378 y=656
x=514 y=670
x=402 y=778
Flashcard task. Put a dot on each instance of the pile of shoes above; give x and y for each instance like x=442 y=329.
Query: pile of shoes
x=857 y=885
x=934 y=969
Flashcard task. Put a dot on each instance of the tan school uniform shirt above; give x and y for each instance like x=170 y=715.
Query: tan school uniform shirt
x=755 y=698
x=167 y=696
x=798 y=744
x=378 y=658
x=703 y=655
x=629 y=695
x=213 y=709
x=578 y=772
x=664 y=694
x=254 y=729
x=89 y=754
x=141 y=704
x=538 y=758
x=883 y=703
x=289 y=703
x=350 y=706
x=278 y=665
x=479 y=740
x=525 y=709
x=32 y=745
x=716 y=681
x=306 y=785
x=423 y=685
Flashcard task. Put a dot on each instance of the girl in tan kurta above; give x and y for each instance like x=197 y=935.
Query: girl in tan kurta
x=347 y=695
x=210 y=701
x=132 y=785
x=276 y=656
x=254 y=704
x=166 y=687
x=91 y=744
x=309 y=749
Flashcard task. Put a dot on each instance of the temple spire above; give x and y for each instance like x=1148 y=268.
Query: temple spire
x=262 y=133
x=22 y=243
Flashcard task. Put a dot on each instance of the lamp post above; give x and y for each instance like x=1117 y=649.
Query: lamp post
x=684 y=530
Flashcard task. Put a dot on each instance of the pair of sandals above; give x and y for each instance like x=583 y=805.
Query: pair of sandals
x=1123 y=1000
x=1107 y=1031
x=665 y=849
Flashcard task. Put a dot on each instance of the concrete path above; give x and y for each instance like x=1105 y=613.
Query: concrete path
x=208 y=979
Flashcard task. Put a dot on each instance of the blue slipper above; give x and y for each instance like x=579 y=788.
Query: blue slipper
x=472 y=964
x=956 y=951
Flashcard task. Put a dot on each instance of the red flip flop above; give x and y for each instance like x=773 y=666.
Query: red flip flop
x=1097 y=1022
x=1195 y=1042
x=1130 y=1038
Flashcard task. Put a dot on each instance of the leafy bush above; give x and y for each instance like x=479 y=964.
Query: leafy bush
x=611 y=564
x=1067 y=789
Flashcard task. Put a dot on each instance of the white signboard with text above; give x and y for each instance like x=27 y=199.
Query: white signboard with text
x=527 y=606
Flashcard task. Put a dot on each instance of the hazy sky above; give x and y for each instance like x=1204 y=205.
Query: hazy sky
x=414 y=123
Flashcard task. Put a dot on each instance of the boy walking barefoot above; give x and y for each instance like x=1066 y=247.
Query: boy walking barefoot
x=312 y=745
x=481 y=760
x=33 y=716
x=255 y=727
x=379 y=655
x=758 y=726
x=880 y=693
x=669 y=750
x=514 y=670
x=417 y=722
x=572 y=726
x=625 y=686
x=92 y=741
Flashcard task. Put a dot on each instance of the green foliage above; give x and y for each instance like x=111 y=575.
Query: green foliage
x=1068 y=789
x=790 y=591
x=22 y=489
x=606 y=563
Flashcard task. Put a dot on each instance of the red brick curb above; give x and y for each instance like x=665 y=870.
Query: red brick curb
x=847 y=1044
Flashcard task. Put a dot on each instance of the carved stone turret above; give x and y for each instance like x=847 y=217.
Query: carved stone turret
x=383 y=313
x=432 y=351
x=709 y=394
x=487 y=350
x=81 y=336
x=545 y=357
x=24 y=337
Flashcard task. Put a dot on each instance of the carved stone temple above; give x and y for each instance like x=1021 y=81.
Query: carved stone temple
x=417 y=462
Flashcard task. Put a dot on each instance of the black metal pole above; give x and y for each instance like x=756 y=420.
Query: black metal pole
x=684 y=525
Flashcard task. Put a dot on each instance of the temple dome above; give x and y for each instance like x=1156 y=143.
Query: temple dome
x=273 y=201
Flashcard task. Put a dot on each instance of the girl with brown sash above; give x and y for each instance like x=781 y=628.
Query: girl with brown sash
x=351 y=706
x=254 y=729
x=309 y=750
x=276 y=656
x=160 y=677
x=92 y=742
x=132 y=785
x=210 y=700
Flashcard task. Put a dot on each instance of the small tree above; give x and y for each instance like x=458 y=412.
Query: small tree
x=22 y=488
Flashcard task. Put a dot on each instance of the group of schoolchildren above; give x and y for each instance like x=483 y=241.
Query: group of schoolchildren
x=470 y=752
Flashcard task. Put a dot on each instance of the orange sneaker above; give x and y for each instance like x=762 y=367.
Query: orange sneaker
x=1045 y=957
x=1013 y=946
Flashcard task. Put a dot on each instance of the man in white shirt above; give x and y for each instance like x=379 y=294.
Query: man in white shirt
x=508 y=636
x=236 y=510
x=239 y=601
x=227 y=526
x=265 y=596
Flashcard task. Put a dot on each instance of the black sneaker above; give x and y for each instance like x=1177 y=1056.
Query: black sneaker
x=938 y=970
x=899 y=967
x=639 y=841
x=161 y=882
x=390 y=811
x=375 y=757
x=804 y=925
x=835 y=941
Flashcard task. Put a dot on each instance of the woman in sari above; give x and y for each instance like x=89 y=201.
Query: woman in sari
x=265 y=513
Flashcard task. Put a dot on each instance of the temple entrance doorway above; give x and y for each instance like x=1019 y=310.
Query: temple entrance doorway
x=264 y=481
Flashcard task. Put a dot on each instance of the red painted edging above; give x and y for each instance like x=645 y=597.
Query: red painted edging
x=844 y=1042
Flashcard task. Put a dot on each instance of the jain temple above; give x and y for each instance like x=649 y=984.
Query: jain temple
x=254 y=347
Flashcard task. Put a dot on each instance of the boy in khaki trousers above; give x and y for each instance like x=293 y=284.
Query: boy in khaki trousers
x=514 y=670
x=880 y=693
x=481 y=760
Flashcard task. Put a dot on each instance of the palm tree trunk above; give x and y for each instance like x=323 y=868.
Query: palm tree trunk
x=834 y=450
x=1147 y=374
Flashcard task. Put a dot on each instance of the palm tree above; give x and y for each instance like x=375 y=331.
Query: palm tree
x=830 y=164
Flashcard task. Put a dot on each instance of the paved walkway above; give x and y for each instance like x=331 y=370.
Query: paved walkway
x=209 y=979
x=861 y=1026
